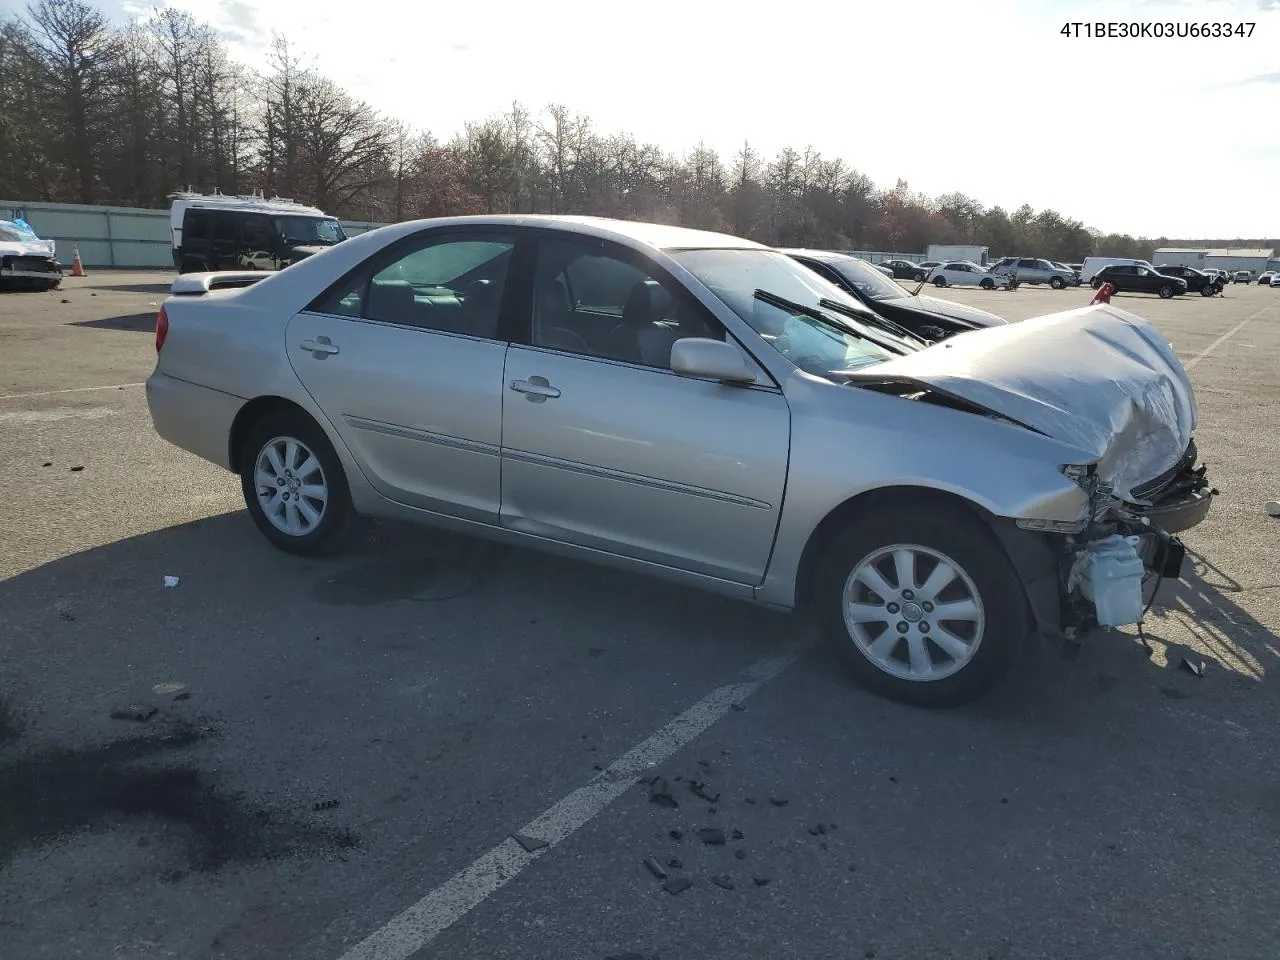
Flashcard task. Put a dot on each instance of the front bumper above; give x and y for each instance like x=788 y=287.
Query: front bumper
x=30 y=268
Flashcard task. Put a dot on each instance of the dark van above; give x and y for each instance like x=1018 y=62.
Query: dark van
x=246 y=233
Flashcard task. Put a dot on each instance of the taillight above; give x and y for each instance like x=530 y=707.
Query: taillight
x=162 y=328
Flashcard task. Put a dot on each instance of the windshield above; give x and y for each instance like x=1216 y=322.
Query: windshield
x=817 y=341
x=866 y=279
x=9 y=233
x=310 y=231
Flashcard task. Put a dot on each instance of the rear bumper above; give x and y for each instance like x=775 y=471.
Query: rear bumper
x=197 y=419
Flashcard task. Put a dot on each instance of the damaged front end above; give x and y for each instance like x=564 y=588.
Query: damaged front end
x=1104 y=565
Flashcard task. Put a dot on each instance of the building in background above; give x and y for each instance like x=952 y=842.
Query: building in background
x=1180 y=257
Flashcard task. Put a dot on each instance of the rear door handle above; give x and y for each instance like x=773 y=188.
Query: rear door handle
x=320 y=347
x=535 y=389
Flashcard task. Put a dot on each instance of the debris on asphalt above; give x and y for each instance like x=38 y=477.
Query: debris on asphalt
x=139 y=712
x=761 y=881
x=171 y=581
x=47 y=463
x=818 y=830
x=325 y=805
x=677 y=885
x=1273 y=508
x=737 y=706
x=700 y=789
x=740 y=854
x=675 y=863
x=184 y=695
x=529 y=843
x=713 y=809
x=168 y=689
x=750 y=800
x=596 y=766
x=723 y=881
x=675 y=835
x=738 y=834
x=654 y=867
x=713 y=836
x=76 y=469
x=705 y=765
x=660 y=793
x=68 y=617
x=1196 y=668
x=65 y=300
x=853 y=868
x=779 y=801
x=893 y=779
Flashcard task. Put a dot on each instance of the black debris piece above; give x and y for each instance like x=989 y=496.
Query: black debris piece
x=64 y=300
x=779 y=801
x=660 y=793
x=738 y=834
x=1197 y=667
x=723 y=881
x=704 y=764
x=654 y=867
x=853 y=868
x=893 y=779
x=675 y=863
x=677 y=885
x=134 y=711
x=93 y=294
x=325 y=805
x=761 y=881
x=678 y=779
x=711 y=835
x=870 y=955
x=676 y=835
x=529 y=843
x=76 y=469
x=818 y=830
x=596 y=766
x=737 y=706
x=700 y=789
x=713 y=809
x=1004 y=799
x=47 y=463
x=831 y=826
x=750 y=800
x=68 y=617
x=740 y=853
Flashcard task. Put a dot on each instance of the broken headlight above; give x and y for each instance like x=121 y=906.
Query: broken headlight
x=1099 y=492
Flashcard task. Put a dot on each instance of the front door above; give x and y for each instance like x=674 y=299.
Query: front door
x=405 y=358
x=604 y=447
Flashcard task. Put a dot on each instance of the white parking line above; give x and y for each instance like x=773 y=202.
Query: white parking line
x=421 y=923
x=1224 y=338
x=54 y=393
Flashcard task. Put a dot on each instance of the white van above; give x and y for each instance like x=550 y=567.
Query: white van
x=1092 y=265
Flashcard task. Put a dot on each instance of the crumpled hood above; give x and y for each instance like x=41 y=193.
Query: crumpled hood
x=26 y=248
x=1099 y=378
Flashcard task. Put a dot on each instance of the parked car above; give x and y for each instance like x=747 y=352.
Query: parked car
x=1134 y=278
x=885 y=271
x=1077 y=267
x=1092 y=265
x=963 y=273
x=1031 y=270
x=1275 y=280
x=1197 y=281
x=26 y=261
x=1244 y=276
x=906 y=270
x=929 y=264
x=703 y=408
x=1220 y=277
x=930 y=318
x=1068 y=269
x=219 y=232
x=1265 y=278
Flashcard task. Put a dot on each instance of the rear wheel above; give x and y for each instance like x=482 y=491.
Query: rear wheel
x=1057 y=283
x=294 y=485
x=939 y=281
x=1208 y=290
x=924 y=604
x=1166 y=291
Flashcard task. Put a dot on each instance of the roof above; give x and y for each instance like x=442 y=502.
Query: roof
x=654 y=235
x=1242 y=253
x=817 y=254
x=1183 y=250
x=259 y=204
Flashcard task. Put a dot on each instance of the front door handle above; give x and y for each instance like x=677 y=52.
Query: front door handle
x=320 y=347
x=535 y=389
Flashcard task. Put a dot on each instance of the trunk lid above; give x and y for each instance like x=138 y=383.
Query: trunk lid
x=1099 y=378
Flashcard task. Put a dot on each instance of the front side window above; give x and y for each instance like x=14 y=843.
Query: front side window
x=448 y=284
x=589 y=301
x=309 y=231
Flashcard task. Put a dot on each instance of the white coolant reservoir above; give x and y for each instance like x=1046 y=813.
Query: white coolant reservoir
x=1109 y=572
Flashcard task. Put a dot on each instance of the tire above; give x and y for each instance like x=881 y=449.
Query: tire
x=987 y=284
x=939 y=281
x=1096 y=284
x=333 y=521
x=1207 y=290
x=996 y=622
x=1166 y=291
x=1057 y=283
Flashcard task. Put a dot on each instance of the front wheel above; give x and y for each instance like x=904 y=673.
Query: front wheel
x=987 y=284
x=1057 y=283
x=294 y=485
x=924 y=604
x=1208 y=290
x=939 y=281
x=1166 y=291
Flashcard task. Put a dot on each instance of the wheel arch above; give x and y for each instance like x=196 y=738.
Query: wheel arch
x=251 y=413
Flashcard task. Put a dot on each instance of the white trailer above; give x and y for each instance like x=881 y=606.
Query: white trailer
x=1180 y=257
x=957 y=251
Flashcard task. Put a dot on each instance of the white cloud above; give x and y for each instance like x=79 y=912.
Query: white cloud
x=1156 y=136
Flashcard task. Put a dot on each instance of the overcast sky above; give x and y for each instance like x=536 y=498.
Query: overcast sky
x=1176 y=137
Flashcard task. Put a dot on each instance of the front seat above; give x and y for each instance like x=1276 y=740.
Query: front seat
x=637 y=339
x=392 y=301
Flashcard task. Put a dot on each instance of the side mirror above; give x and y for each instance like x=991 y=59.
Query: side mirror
x=712 y=359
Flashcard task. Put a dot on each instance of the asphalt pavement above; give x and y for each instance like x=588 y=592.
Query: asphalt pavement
x=429 y=747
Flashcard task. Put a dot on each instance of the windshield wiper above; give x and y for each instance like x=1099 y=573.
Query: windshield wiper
x=782 y=303
x=872 y=317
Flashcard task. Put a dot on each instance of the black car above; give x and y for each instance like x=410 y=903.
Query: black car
x=929 y=318
x=1137 y=278
x=1197 y=280
x=905 y=269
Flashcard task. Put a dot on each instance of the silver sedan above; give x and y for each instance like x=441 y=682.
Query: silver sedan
x=706 y=409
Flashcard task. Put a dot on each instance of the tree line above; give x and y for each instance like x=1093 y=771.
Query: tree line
x=98 y=113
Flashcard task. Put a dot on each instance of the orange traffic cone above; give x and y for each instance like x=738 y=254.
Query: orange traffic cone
x=77 y=268
x=1104 y=294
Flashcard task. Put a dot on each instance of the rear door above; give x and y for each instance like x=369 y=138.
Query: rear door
x=226 y=240
x=604 y=446
x=1030 y=271
x=405 y=356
